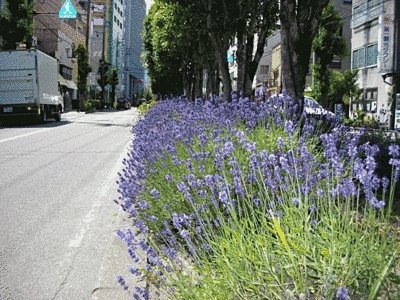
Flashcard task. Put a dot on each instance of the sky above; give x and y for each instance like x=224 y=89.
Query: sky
x=148 y=4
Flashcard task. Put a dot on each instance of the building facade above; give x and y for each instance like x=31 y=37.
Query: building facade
x=99 y=34
x=133 y=75
x=59 y=38
x=373 y=49
x=117 y=22
x=269 y=72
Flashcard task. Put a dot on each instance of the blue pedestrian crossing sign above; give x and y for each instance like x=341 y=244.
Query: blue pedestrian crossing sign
x=67 y=11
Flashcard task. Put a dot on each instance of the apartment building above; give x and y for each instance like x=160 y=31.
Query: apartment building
x=115 y=49
x=99 y=34
x=373 y=54
x=135 y=12
x=59 y=38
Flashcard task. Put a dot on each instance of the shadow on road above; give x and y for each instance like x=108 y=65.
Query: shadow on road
x=32 y=124
x=104 y=124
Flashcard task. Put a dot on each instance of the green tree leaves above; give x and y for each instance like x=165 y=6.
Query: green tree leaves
x=16 y=23
x=84 y=69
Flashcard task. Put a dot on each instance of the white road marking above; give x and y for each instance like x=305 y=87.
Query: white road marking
x=100 y=194
x=24 y=135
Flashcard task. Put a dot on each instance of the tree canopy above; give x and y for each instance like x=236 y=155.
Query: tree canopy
x=16 y=23
x=327 y=44
x=196 y=35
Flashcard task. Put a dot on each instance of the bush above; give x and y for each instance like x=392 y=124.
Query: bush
x=87 y=105
x=145 y=106
x=361 y=120
x=241 y=203
x=95 y=104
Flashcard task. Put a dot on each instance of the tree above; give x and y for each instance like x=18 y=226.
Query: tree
x=84 y=69
x=113 y=80
x=16 y=24
x=103 y=79
x=214 y=25
x=299 y=24
x=343 y=87
x=161 y=49
x=327 y=44
x=256 y=21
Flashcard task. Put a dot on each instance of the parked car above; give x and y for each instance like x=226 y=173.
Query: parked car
x=313 y=108
x=123 y=103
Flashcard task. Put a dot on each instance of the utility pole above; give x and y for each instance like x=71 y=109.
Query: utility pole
x=88 y=24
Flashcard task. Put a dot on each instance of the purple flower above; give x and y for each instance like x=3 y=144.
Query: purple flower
x=281 y=142
x=295 y=201
x=228 y=148
x=256 y=202
x=223 y=197
x=289 y=127
x=169 y=177
x=342 y=293
x=155 y=194
x=394 y=151
x=182 y=187
x=185 y=234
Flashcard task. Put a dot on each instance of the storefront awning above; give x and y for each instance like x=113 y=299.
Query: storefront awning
x=68 y=83
x=71 y=85
x=61 y=80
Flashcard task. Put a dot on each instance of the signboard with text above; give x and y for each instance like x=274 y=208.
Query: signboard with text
x=385 y=43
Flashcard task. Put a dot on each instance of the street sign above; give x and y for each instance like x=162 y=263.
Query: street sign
x=67 y=11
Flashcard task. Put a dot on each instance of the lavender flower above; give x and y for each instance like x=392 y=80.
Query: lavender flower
x=155 y=194
x=169 y=177
x=342 y=293
x=394 y=151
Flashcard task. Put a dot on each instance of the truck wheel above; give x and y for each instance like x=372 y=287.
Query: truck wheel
x=57 y=117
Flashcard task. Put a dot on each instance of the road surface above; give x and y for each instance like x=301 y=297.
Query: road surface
x=57 y=215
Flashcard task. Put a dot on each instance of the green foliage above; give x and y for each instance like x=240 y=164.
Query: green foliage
x=343 y=86
x=16 y=23
x=163 y=44
x=327 y=44
x=94 y=104
x=113 y=80
x=258 y=255
x=361 y=120
x=145 y=106
x=84 y=69
x=87 y=105
x=148 y=96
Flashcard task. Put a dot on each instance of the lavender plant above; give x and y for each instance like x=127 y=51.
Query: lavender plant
x=241 y=203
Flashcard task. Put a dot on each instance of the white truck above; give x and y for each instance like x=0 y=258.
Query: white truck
x=29 y=86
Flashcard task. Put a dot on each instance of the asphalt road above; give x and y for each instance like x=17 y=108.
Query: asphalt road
x=57 y=215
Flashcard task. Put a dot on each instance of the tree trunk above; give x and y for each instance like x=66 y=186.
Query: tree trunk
x=241 y=62
x=299 y=25
x=221 y=46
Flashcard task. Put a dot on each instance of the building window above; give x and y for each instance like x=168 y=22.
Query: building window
x=115 y=5
x=115 y=19
x=347 y=1
x=372 y=55
x=359 y=58
x=120 y=25
x=336 y=63
x=264 y=70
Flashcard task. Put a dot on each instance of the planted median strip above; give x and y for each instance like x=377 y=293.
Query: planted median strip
x=240 y=202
